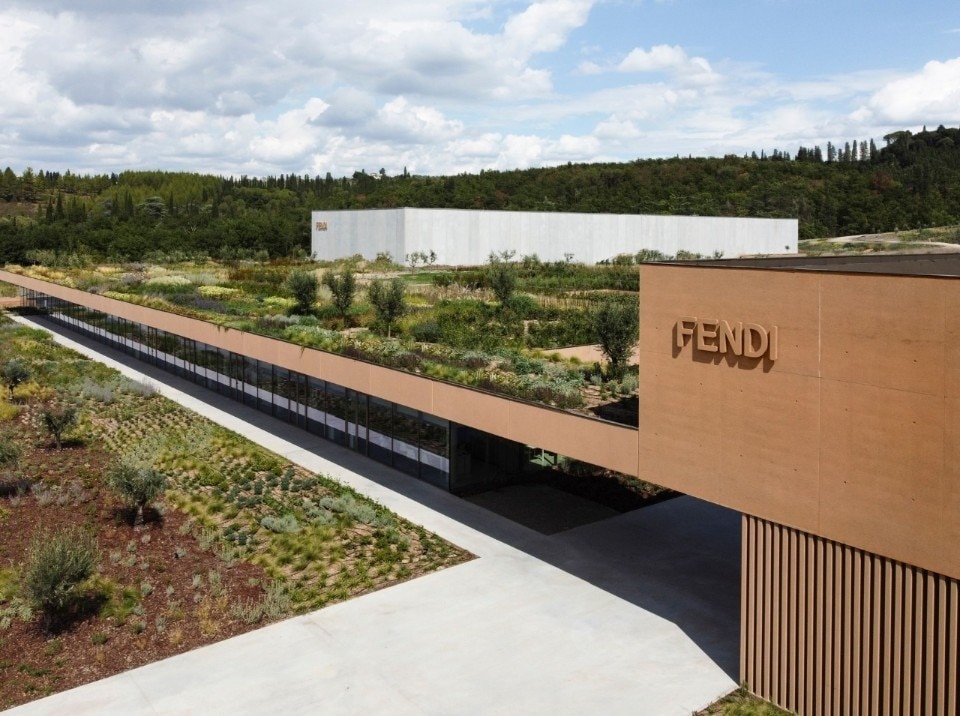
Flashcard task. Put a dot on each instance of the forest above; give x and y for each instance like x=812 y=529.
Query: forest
x=913 y=181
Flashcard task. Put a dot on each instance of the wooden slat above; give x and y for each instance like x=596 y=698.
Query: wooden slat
x=765 y=682
x=854 y=668
x=953 y=636
x=907 y=645
x=929 y=657
x=746 y=597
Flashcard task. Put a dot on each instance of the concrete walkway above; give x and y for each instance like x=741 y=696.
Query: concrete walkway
x=636 y=614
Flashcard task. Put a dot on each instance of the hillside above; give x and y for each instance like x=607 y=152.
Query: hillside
x=910 y=183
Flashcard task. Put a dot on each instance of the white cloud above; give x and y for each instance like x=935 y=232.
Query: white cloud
x=658 y=58
x=403 y=122
x=931 y=96
x=544 y=26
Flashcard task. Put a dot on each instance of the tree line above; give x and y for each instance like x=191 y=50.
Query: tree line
x=912 y=181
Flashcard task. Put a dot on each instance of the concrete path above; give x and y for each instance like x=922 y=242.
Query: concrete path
x=636 y=614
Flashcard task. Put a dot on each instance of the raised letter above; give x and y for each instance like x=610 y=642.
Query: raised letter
x=703 y=334
x=731 y=338
x=750 y=348
x=683 y=331
x=773 y=343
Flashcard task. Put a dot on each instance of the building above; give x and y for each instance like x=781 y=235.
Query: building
x=818 y=397
x=460 y=237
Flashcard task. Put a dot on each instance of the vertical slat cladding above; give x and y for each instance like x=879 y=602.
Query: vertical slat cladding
x=886 y=670
x=745 y=595
x=766 y=630
x=810 y=655
x=856 y=633
x=803 y=621
x=838 y=646
x=829 y=642
x=773 y=601
x=919 y=641
x=907 y=643
x=876 y=640
x=930 y=637
x=829 y=629
x=820 y=630
x=896 y=668
x=941 y=658
x=756 y=623
x=793 y=648
x=866 y=631
x=783 y=615
x=846 y=646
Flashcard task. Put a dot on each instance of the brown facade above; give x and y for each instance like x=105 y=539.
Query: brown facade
x=851 y=433
x=830 y=629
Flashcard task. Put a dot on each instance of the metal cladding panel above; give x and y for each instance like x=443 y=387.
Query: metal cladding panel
x=466 y=237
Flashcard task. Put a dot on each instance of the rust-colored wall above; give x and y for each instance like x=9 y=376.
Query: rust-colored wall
x=852 y=433
x=605 y=444
x=832 y=630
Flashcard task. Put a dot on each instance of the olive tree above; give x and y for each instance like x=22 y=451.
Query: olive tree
x=138 y=486
x=57 y=420
x=14 y=373
x=617 y=327
x=387 y=298
x=56 y=564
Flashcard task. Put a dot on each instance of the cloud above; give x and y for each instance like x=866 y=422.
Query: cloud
x=670 y=60
x=462 y=85
x=658 y=58
x=931 y=96
x=348 y=108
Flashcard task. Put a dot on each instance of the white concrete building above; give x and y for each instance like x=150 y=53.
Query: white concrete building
x=466 y=237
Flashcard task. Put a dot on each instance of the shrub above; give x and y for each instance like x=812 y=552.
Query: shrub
x=139 y=486
x=426 y=332
x=9 y=450
x=56 y=564
x=280 y=525
x=303 y=285
x=219 y=293
x=58 y=420
x=523 y=305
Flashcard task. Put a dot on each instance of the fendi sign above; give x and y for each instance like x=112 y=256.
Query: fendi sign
x=713 y=335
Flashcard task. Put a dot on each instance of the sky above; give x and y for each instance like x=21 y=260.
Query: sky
x=294 y=86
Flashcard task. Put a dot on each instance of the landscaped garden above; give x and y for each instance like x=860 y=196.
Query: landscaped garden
x=132 y=529
x=494 y=327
